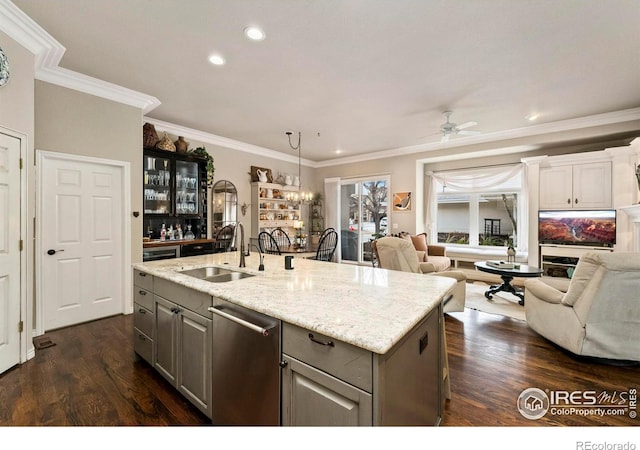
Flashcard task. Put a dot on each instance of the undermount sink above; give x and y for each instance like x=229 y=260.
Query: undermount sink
x=215 y=274
x=228 y=277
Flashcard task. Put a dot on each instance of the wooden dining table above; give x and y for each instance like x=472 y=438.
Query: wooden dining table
x=304 y=252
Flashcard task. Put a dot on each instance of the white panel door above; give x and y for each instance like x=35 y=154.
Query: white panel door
x=9 y=251
x=82 y=242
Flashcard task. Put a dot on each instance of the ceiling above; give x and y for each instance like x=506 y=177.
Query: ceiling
x=359 y=76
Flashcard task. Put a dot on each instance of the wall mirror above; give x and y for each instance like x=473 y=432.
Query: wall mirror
x=224 y=205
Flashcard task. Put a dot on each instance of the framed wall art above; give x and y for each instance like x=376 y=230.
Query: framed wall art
x=402 y=201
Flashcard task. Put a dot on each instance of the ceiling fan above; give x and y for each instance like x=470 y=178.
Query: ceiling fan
x=448 y=128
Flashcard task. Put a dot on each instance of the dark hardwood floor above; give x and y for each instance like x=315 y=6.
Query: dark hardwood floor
x=91 y=377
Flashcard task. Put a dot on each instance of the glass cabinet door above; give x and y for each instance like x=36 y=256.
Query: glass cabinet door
x=157 y=185
x=187 y=187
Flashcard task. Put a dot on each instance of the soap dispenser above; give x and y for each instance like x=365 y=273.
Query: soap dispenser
x=163 y=233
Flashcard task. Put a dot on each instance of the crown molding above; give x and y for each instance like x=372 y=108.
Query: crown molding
x=48 y=53
x=626 y=115
x=209 y=138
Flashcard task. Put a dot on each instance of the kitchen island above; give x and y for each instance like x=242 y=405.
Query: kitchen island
x=358 y=345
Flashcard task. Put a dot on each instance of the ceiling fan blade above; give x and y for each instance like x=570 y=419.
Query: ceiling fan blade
x=445 y=138
x=469 y=133
x=466 y=125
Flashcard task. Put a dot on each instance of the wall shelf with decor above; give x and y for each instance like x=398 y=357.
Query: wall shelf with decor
x=316 y=220
x=272 y=210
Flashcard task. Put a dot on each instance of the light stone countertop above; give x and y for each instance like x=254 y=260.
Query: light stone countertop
x=368 y=307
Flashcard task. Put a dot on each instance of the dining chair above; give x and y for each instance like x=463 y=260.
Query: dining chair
x=268 y=244
x=327 y=246
x=325 y=231
x=281 y=237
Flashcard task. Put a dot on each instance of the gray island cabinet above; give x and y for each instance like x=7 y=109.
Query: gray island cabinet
x=358 y=346
x=173 y=333
x=327 y=382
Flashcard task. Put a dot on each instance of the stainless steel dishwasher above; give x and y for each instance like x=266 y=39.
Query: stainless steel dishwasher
x=245 y=372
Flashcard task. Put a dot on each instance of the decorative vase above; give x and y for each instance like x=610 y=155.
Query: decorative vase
x=149 y=136
x=166 y=144
x=181 y=145
x=511 y=254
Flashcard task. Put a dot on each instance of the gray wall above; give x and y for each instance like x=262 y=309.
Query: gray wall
x=69 y=121
x=17 y=114
x=404 y=170
x=235 y=165
x=16 y=97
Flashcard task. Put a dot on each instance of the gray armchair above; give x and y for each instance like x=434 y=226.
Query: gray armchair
x=599 y=314
x=400 y=254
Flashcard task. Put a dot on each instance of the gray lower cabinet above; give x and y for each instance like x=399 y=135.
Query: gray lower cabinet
x=166 y=342
x=194 y=359
x=328 y=382
x=172 y=333
x=311 y=397
x=183 y=351
x=143 y=315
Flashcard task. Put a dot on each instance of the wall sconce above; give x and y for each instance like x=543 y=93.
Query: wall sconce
x=243 y=208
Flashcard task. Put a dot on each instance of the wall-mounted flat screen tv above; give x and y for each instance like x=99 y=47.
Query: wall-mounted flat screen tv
x=577 y=227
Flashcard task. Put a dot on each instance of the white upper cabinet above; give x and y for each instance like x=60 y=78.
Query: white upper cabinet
x=577 y=186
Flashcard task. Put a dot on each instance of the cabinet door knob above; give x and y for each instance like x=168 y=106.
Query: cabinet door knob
x=141 y=292
x=576 y=201
x=283 y=364
x=568 y=201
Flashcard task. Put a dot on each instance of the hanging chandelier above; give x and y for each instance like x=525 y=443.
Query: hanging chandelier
x=301 y=196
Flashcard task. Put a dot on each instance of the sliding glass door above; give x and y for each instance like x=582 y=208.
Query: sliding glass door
x=363 y=216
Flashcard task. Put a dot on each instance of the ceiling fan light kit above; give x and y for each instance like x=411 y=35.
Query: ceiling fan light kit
x=449 y=128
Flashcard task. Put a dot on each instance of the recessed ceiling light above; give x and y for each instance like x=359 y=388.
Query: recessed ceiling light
x=217 y=60
x=532 y=117
x=254 y=33
x=338 y=151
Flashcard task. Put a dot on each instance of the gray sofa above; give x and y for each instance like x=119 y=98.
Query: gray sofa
x=598 y=314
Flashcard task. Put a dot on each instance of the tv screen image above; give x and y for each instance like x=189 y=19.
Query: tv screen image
x=577 y=227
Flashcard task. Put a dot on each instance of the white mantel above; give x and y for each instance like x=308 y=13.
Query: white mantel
x=633 y=212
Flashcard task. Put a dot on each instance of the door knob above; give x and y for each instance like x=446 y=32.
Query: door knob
x=53 y=252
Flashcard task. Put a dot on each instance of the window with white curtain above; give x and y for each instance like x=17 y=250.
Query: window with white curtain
x=479 y=207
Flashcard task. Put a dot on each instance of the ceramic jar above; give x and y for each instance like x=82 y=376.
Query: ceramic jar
x=181 y=145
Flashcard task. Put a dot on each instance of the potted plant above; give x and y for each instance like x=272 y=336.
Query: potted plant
x=202 y=151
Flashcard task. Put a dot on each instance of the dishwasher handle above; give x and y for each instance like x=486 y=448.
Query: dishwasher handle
x=244 y=323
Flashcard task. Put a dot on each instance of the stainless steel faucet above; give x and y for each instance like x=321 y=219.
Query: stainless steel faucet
x=235 y=232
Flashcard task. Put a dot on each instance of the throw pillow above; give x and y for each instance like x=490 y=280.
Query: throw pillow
x=420 y=244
